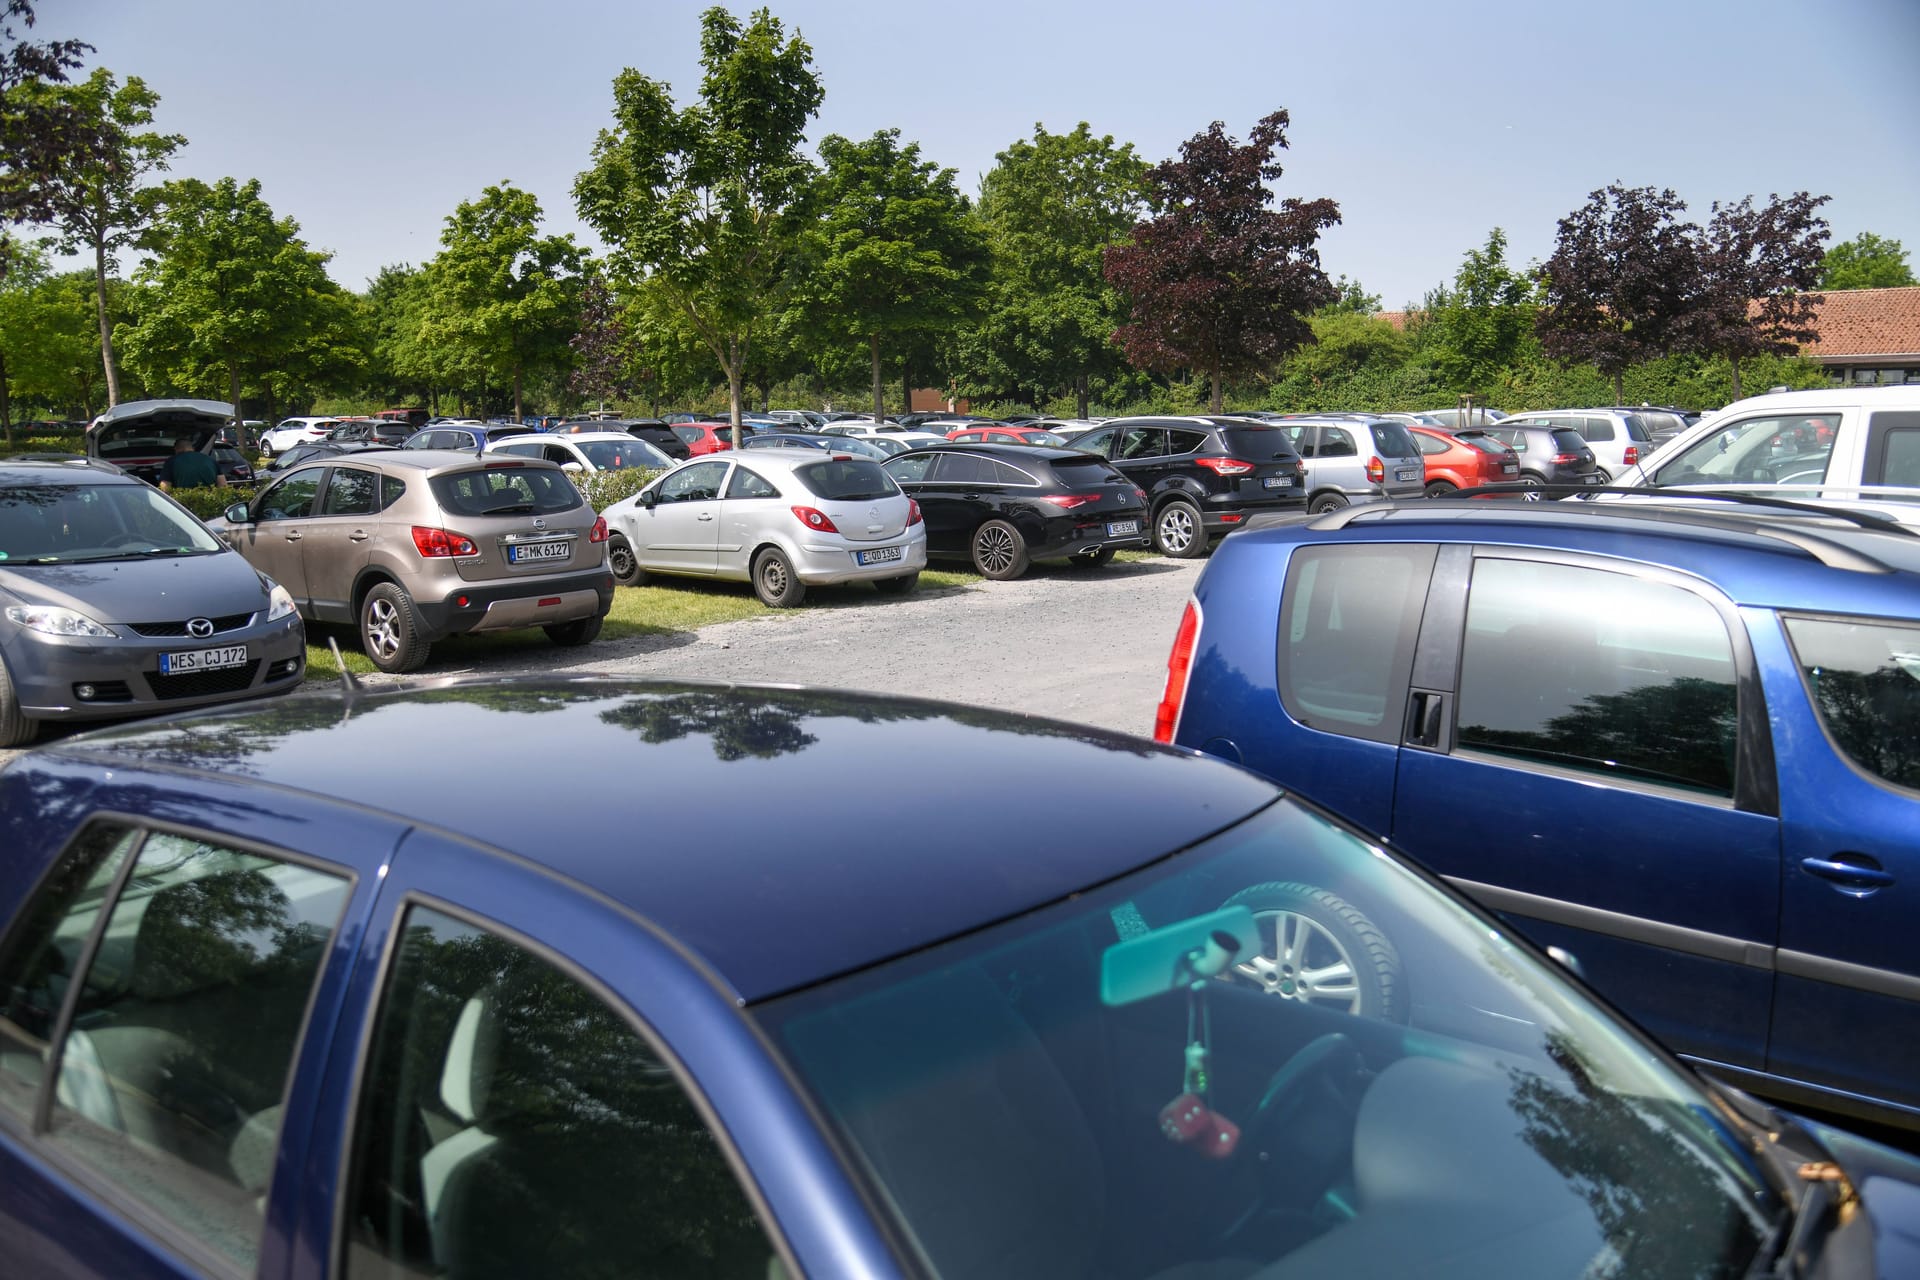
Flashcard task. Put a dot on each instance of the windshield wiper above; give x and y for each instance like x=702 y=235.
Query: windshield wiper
x=1815 y=1189
x=510 y=509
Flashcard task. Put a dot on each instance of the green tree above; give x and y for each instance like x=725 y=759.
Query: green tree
x=1479 y=326
x=502 y=299
x=896 y=252
x=97 y=198
x=1217 y=281
x=37 y=132
x=708 y=200
x=234 y=295
x=1051 y=207
x=1866 y=262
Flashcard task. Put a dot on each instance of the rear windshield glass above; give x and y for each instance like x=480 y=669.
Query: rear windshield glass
x=1484 y=443
x=1567 y=440
x=505 y=489
x=1083 y=473
x=847 y=480
x=1865 y=679
x=1263 y=444
x=1637 y=429
x=1393 y=440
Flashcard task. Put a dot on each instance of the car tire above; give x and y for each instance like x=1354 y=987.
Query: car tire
x=897 y=586
x=1321 y=503
x=571 y=635
x=775 y=582
x=1532 y=479
x=16 y=729
x=623 y=564
x=1177 y=531
x=1093 y=559
x=1440 y=489
x=999 y=552
x=1605 y=476
x=390 y=630
x=1325 y=934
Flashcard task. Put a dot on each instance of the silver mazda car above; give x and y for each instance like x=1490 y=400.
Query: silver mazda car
x=115 y=601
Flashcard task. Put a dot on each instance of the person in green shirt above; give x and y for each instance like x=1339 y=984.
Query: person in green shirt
x=188 y=468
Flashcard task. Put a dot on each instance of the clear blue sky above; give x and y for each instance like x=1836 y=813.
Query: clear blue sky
x=1429 y=121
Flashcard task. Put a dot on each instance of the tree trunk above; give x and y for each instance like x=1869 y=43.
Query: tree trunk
x=1735 y=362
x=233 y=387
x=6 y=403
x=106 y=330
x=1080 y=397
x=1619 y=396
x=1216 y=399
x=879 y=395
x=906 y=386
x=518 y=414
x=736 y=387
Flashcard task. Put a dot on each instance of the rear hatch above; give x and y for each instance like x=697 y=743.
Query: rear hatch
x=863 y=502
x=1573 y=459
x=1274 y=471
x=1402 y=469
x=139 y=436
x=525 y=517
x=1096 y=492
x=1498 y=463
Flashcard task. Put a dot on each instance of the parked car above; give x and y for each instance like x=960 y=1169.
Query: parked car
x=1694 y=729
x=293 y=431
x=462 y=437
x=1202 y=476
x=898 y=442
x=802 y=419
x=284 y=1008
x=115 y=601
x=1549 y=455
x=1006 y=435
x=1456 y=418
x=287 y=459
x=703 y=438
x=1617 y=439
x=586 y=451
x=1840 y=441
x=395 y=432
x=138 y=436
x=854 y=446
x=1463 y=460
x=1354 y=458
x=652 y=430
x=231 y=465
x=783 y=519
x=1003 y=506
x=413 y=545
x=414 y=417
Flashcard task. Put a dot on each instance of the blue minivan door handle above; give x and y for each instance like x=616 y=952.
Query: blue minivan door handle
x=1852 y=875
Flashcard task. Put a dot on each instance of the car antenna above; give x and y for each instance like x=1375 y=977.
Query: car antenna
x=350 y=686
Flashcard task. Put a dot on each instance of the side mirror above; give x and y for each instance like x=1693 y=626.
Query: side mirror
x=649 y=498
x=574 y=466
x=237 y=514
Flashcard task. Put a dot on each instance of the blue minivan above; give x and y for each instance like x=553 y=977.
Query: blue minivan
x=1681 y=742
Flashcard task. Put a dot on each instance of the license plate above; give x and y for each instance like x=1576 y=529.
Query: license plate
x=1121 y=528
x=1592 y=477
x=879 y=555
x=1510 y=468
x=191 y=660
x=1409 y=473
x=522 y=552
x=1278 y=482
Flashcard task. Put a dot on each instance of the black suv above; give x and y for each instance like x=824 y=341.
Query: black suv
x=1203 y=476
x=1549 y=455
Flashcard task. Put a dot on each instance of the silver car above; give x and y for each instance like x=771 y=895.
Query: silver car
x=115 y=601
x=782 y=519
x=1356 y=459
x=413 y=545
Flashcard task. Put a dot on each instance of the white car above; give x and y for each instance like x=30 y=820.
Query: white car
x=293 y=431
x=585 y=450
x=782 y=519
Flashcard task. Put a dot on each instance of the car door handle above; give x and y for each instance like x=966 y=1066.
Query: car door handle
x=293 y=535
x=708 y=516
x=1853 y=875
x=358 y=535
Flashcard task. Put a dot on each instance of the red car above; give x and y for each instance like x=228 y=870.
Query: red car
x=705 y=437
x=1463 y=459
x=994 y=433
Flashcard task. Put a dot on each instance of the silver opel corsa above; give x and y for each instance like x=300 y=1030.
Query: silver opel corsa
x=115 y=601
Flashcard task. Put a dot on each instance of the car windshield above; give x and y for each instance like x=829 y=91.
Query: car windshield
x=506 y=488
x=616 y=455
x=1776 y=450
x=1373 y=1078
x=68 y=523
x=1259 y=444
x=1484 y=443
x=847 y=480
x=1043 y=437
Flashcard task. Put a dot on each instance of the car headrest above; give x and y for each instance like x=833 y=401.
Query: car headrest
x=466 y=1081
x=208 y=932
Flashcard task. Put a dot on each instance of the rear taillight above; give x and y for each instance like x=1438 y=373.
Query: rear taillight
x=438 y=544
x=1179 y=663
x=1300 y=468
x=1632 y=455
x=1376 y=471
x=1566 y=459
x=815 y=519
x=1225 y=466
x=1140 y=493
x=1068 y=501
x=913 y=513
x=599 y=533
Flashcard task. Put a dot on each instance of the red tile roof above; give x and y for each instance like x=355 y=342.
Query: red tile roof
x=1867 y=322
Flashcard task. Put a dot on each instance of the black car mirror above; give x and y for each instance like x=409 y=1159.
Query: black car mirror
x=649 y=497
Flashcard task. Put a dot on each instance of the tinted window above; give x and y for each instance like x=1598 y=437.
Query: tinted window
x=1566 y=441
x=290 y=498
x=690 y=435
x=1430 y=445
x=505 y=489
x=1143 y=442
x=1336 y=442
x=1600 y=429
x=1768 y=450
x=963 y=468
x=1099 y=441
x=1083 y=473
x=185 y=1028
x=1484 y=443
x=1637 y=429
x=1598 y=671
x=1893 y=450
x=911 y=468
x=1186 y=441
x=352 y=493
x=1258 y=444
x=846 y=479
x=1348 y=619
x=1393 y=440
x=747 y=484
x=1865 y=679
x=615 y=455
x=391 y=487
x=512 y=1124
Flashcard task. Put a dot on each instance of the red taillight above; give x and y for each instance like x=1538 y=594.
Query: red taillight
x=1179 y=662
x=815 y=519
x=1140 y=493
x=1068 y=501
x=1300 y=468
x=1632 y=455
x=913 y=513
x=436 y=544
x=1566 y=459
x=1225 y=466
x=599 y=533
x=1376 y=471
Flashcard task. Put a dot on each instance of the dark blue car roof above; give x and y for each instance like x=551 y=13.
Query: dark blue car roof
x=784 y=835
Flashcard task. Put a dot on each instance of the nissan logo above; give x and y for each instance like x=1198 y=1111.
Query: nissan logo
x=200 y=628
x=538 y=523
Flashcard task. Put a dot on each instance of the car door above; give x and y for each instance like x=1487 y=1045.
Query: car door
x=535 y=1082
x=946 y=485
x=1847 y=999
x=1140 y=452
x=1586 y=750
x=680 y=532
x=271 y=539
x=1892 y=455
x=748 y=507
x=337 y=540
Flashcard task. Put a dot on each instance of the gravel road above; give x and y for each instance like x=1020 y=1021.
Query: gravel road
x=1085 y=646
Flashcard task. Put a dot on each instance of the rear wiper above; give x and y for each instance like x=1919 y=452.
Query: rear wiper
x=511 y=509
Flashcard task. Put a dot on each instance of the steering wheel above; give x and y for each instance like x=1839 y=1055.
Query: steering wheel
x=1298 y=1142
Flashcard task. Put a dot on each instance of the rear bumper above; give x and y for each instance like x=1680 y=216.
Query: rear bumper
x=508 y=606
x=823 y=565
